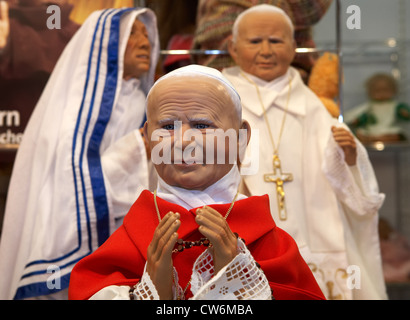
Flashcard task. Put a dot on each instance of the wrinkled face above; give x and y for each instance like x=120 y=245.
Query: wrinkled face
x=265 y=46
x=137 y=53
x=182 y=112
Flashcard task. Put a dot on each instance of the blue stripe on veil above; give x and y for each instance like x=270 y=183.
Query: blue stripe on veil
x=94 y=163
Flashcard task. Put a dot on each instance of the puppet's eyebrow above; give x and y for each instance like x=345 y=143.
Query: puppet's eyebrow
x=167 y=120
x=200 y=119
x=257 y=37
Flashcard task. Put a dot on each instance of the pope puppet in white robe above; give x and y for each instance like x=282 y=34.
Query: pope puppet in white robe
x=82 y=161
x=319 y=179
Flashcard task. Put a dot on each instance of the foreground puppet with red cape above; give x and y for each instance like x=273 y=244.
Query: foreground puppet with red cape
x=196 y=237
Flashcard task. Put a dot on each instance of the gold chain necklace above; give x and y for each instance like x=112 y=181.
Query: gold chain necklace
x=275 y=148
x=202 y=240
x=277 y=176
x=226 y=214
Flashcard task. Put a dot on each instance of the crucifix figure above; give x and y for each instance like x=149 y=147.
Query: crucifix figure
x=279 y=178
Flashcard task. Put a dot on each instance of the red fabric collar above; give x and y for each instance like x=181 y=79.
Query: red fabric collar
x=250 y=218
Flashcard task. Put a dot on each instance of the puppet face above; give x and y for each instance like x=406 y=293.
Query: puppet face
x=187 y=118
x=138 y=52
x=381 y=90
x=265 y=46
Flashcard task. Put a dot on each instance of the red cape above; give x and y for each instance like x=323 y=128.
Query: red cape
x=121 y=259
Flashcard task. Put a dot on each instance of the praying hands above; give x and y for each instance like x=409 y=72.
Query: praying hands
x=159 y=255
x=224 y=242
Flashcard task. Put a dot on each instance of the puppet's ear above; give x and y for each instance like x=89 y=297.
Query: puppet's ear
x=145 y=129
x=246 y=126
x=232 y=48
x=144 y=133
x=243 y=140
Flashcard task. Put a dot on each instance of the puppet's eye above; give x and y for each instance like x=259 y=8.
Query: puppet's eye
x=255 y=41
x=168 y=126
x=275 y=41
x=201 y=126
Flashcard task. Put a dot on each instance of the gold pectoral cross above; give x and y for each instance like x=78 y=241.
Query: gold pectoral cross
x=279 y=178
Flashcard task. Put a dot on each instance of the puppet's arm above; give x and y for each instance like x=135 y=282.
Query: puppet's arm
x=355 y=186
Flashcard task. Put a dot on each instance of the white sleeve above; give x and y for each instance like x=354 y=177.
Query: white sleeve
x=143 y=290
x=125 y=168
x=241 y=279
x=112 y=293
x=354 y=186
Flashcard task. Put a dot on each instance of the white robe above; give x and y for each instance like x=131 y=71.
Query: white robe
x=82 y=161
x=332 y=208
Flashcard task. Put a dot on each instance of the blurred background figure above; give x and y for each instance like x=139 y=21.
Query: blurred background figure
x=28 y=53
x=82 y=161
x=395 y=249
x=379 y=118
x=215 y=19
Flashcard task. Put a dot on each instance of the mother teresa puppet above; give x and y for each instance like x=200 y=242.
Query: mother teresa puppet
x=82 y=161
x=186 y=240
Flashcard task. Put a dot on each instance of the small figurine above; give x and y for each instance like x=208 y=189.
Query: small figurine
x=378 y=118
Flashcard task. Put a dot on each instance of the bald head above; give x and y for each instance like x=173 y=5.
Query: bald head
x=208 y=77
x=261 y=8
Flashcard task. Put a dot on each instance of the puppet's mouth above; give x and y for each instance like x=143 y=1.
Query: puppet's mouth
x=188 y=162
x=265 y=64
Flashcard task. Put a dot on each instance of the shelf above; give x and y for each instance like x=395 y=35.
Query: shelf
x=388 y=146
x=9 y=147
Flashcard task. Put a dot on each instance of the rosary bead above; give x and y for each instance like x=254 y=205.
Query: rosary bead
x=181 y=244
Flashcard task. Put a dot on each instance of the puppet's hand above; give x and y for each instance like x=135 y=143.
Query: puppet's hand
x=159 y=254
x=346 y=141
x=224 y=242
x=4 y=24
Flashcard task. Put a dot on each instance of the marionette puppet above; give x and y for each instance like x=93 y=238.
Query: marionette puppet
x=381 y=117
x=318 y=176
x=82 y=161
x=196 y=236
